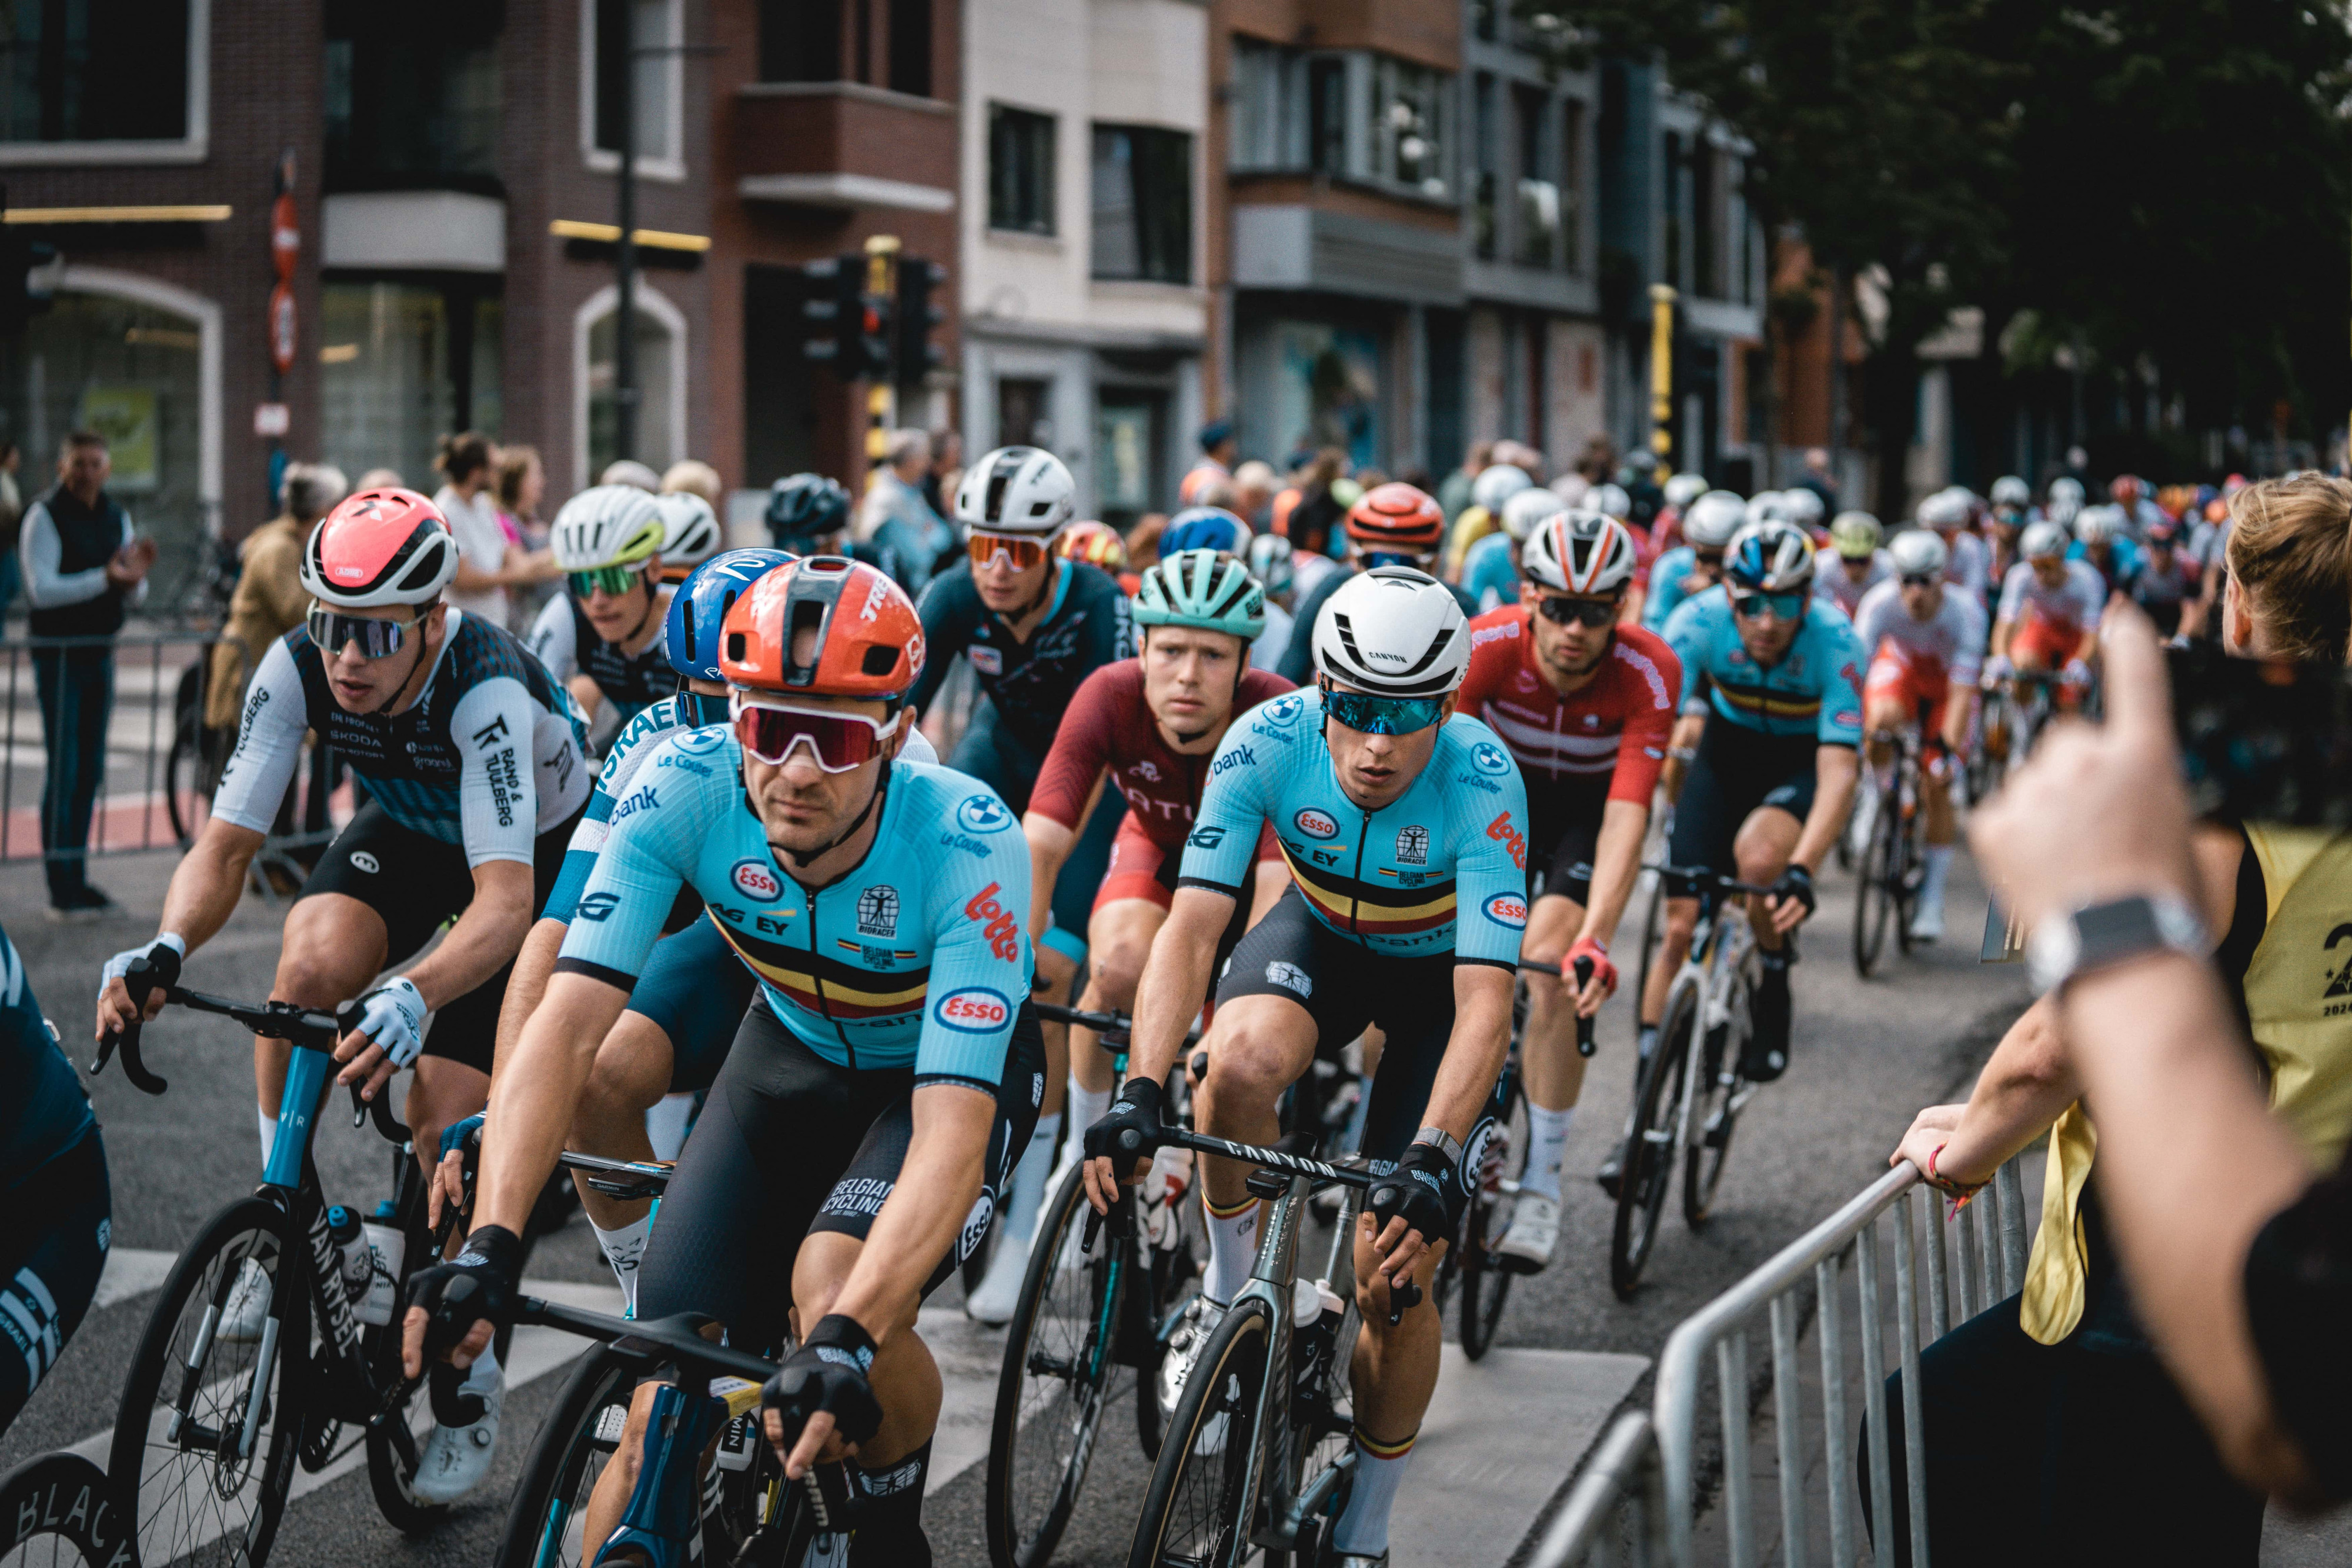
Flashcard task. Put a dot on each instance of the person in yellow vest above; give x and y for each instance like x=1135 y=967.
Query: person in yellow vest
x=2117 y=1465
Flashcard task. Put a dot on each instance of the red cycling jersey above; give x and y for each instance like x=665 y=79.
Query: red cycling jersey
x=1613 y=729
x=1109 y=725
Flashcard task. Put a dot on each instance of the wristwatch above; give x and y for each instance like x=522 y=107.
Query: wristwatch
x=2099 y=934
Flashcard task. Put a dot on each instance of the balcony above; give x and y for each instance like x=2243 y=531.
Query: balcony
x=843 y=144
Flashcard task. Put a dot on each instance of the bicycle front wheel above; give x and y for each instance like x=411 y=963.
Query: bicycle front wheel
x=574 y=1444
x=1198 y=1511
x=1873 y=889
x=1486 y=1278
x=54 y=1513
x=1649 y=1158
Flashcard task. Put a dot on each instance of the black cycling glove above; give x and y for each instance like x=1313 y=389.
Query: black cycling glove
x=479 y=1284
x=1137 y=1112
x=1426 y=1189
x=1795 y=882
x=828 y=1373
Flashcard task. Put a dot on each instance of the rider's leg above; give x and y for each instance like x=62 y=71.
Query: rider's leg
x=1674 y=945
x=1555 y=1071
x=332 y=946
x=630 y=1075
x=1118 y=940
x=1258 y=1046
x=1766 y=839
x=905 y=1378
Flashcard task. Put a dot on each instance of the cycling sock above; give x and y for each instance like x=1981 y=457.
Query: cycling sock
x=890 y=1514
x=667 y=1123
x=1362 y=1526
x=268 y=1124
x=1547 y=1135
x=1646 y=1041
x=1766 y=1056
x=625 y=1248
x=1935 y=865
x=1232 y=1248
x=1027 y=1192
x=483 y=1377
x=1088 y=1106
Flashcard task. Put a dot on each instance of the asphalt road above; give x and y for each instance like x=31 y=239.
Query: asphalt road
x=1867 y=1055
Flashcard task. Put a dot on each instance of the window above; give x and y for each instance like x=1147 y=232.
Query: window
x=617 y=28
x=910 y=47
x=1344 y=116
x=1128 y=440
x=1706 y=235
x=1326 y=115
x=1022 y=416
x=1482 y=185
x=661 y=356
x=412 y=99
x=1142 y=204
x=1409 y=133
x=399 y=363
x=81 y=71
x=1019 y=170
x=1537 y=239
x=1571 y=184
x=799 y=40
x=1266 y=89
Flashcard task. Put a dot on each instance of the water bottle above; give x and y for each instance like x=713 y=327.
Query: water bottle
x=343 y=1229
x=386 y=1248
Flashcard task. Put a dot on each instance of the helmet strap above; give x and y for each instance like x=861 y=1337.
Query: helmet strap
x=414 y=669
x=652 y=598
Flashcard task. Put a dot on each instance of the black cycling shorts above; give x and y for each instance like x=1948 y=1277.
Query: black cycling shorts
x=1737 y=770
x=418 y=884
x=1344 y=986
x=1570 y=824
x=789 y=1143
x=695 y=990
x=50 y=1258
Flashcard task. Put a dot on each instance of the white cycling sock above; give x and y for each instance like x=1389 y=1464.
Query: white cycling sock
x=1935 y=862
x=667 y=1123
x=483 y=1376
x=1088 y=1106
x=625 y=1248
x=1232 y=1248
x=1547 y=1135
x=1364 y=1526
x=268 y=1124
x=1027 y=1189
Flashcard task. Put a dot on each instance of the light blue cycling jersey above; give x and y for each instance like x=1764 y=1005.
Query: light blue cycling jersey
x=914 y=959
x=1442 y=866
x=1815 y=689
x=1488 y=573
x=1667 y=575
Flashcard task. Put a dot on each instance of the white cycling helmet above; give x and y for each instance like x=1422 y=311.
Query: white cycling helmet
x=1395 y=632
x=2008 y=490
x=1581 y=551
x=2063 y=513
x=1774 y=557
x=1685 y=489
x=1571 y=486
x=2097 y=525
x=1944 y=510
x=1768 y=507
x=1497 y=484
x=1609 y=501
x=1525 y=511
x=1713 y=519
x=1802 y=508
x=1918 y=552
x=2043 y=542
x=607 y=524
x=689 y=530
x=2065 y=488
x=1016 y=490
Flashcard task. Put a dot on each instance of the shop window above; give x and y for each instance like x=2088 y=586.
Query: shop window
x=1022 y=416
x=1019 y=170
x=400 y=364
x=1128 y=435
x=1327 y=393
x=99 y=71
x=1142 y=204
x=661 y=353
x=616 y=28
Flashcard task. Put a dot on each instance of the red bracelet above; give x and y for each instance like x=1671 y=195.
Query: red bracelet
x=1957 y=1191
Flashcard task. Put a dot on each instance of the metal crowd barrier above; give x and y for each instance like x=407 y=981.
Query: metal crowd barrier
x=1637 y=1500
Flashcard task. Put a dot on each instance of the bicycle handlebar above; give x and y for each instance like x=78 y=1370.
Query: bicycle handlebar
x=1709 y=878
x=1581 y=975
x=669 y=1339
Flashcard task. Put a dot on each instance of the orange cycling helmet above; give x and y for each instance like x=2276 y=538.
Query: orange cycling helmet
x=1396 y=517
x=1096 y=544
x=869 y=641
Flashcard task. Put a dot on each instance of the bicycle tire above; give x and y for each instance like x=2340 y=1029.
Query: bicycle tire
x=1708 y=1141
x=1101 y=1288
x=1906 y=852
x=1175 y=1277
x=1649 y=1164
x=1486 y=1281
x=556 y=1474
x=1652 y=931
x=268 y=1470
x=184 y=764
x=58 y=1506
x=1872 y=895
x=1224 y=1384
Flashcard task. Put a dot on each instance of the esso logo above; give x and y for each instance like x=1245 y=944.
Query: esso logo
x=975 y=1010
x=1507 y=909
x=756 y=880
x=1316 y=824
x=975 y=1225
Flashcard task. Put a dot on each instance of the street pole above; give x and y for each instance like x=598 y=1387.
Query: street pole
x=625 y=260
x=1662 y=378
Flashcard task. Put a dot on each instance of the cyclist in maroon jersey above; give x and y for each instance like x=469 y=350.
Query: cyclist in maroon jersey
x=1151 y=725
x=1585 y=705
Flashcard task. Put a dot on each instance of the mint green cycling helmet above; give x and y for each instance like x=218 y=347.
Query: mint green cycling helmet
x=1207 y=589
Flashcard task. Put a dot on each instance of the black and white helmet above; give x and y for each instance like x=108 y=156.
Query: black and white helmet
x=1395 y=632
x=1017 y=490
x=690 y=533
x=1580 y=551
x=1713 y=518
x=607 y=524
x=1773 y=557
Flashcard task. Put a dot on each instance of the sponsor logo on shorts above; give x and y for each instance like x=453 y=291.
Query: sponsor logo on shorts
x=975 y=1010
x=975 y=1224
x=984 y=660
x=1207 y=836
x=1413 y=845
x=1474 y=1155
x=599 y=906
x=1487 y=758
x=877 y=912
x=757 y=880
x=1507 y=909
x=1315 y=823
x=1290 y=978
x=982 y=814
x=1504 y=832
x=861 y=1197
x=365 y=861
x=1002 y=932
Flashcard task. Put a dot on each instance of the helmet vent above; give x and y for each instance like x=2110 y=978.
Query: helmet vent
x=880 y=661
x=735 y=647
x=420 y=571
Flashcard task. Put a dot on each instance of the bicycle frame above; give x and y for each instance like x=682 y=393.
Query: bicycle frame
x=1718 y=949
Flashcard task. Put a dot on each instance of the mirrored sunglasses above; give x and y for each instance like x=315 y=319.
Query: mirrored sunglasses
x=1368 y=715
x=332 y=633
x=839 y=741
x=1783 y=606
x=1561 y=609
x=1920 y=580
x=613 y=579
x=1020 y=553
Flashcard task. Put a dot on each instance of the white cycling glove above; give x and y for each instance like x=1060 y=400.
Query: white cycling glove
x=391 y=1017
x=119 y=965
x=2076 y=673
x=1996 y=669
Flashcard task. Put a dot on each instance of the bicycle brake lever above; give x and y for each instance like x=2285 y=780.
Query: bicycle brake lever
x=1404 y=1296
x=451 y=1406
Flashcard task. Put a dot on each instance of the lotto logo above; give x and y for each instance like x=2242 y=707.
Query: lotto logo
x=756 y=880
x=1316 y=824
x=1507 y=909
x=1501 y=831
x=973 y=1010
x=1002 y=932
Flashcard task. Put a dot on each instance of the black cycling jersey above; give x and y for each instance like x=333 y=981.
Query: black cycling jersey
x=42 y=1107
x=1029 y=683
x=565 y=640
x=1297 y=664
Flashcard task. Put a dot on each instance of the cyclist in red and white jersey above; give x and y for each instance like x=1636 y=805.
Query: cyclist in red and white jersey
x=1860 y=565
x=2050 y=610
x=1586 y=706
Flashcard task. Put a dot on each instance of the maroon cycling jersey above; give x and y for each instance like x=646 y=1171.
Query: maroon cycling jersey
x=1607 y=738
x=1109 y=725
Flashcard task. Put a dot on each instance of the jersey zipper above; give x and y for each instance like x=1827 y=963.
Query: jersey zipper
x=824 y=1002
x=1355 y=900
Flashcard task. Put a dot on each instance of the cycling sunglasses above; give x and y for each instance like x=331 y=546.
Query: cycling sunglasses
x=1920 y=580
x=987 y=550
x=839 y=741
x=1368 y=715
x=1711 y=559
x=377 y=639
x=613 y=579
x=1783 y=606
x=1560 y=610
x=1374 y=560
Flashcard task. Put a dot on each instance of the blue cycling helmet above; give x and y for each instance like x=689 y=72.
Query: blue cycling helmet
x=1204 y=528
x=1770 y=556
x=690 y=635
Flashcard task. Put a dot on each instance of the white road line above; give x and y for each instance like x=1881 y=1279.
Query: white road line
x=131 y=1271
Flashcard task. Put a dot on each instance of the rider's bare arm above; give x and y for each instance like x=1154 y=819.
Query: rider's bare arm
x=1176 y=978
x=534 y=1094
x=1835 y=768
x=1616 y=863
x=1050 y=844
x=528 y=984
x=2002 y=627
x=204 y=889
x=1466 y=1083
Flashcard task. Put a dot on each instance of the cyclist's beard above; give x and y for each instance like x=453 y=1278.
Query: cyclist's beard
x=804 y=857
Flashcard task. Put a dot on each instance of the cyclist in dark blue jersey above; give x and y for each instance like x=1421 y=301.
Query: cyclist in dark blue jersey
x=808 y=514
x=604 y=638
x=54 y=1186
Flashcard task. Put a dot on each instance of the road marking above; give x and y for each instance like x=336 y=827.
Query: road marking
x=131 y=1271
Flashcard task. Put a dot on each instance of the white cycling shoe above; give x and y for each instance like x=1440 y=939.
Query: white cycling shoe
x=455 y=1459
x=1000 y=1289
x=1928 y=922
x=1191 y=1333
x=1527 y=1246
x=247 y=1307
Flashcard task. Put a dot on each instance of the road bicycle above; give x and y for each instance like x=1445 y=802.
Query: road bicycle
x=1690 y=1092
x=1886 y=883
x=56 y=1512
x=2015 y=710
x=1256 y=1456
x=213 y=1420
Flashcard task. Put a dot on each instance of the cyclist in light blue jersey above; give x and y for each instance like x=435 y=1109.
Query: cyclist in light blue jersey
x=1696 y=564
x=879 y=901
x=1404 y=825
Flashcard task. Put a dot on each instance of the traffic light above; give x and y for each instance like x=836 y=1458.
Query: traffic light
x=913 y=354
x=850 y=323
x=22 y=295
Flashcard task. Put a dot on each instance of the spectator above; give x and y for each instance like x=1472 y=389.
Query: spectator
x=1215 y=492
x=1818 y=479
x=12 y=517
x=1454 y=492
x=1218 y=450
x=1143 y=543
x=1597 y=462
x=381 y=479
x=629 y=471
x=1255 y=484
x=946 y=472
x=1312 y=521
x=487 y=565
x=269 y=601
x=521 y=491
x=81 y=563
x=896 y=518
x=693 y=477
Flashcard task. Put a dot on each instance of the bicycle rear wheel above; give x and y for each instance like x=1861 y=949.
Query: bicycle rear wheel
x=1873 y=895
x=1486 y=1278
x=1713 y=1108
x=574 y=1443
x=1198 y=1511
x=1649 y=1158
